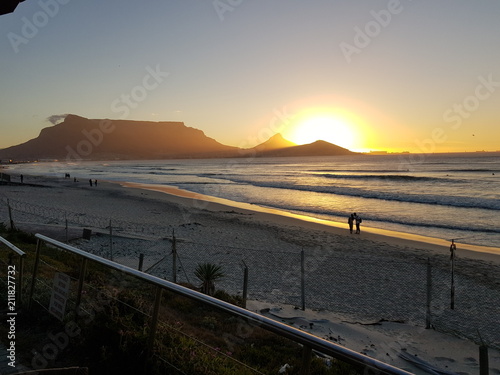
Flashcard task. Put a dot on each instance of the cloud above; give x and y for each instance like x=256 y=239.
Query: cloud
x=55 y=119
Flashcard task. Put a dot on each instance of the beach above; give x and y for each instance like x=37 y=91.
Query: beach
x=344 y=270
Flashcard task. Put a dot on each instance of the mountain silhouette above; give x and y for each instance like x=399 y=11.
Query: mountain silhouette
x=318 y=148
x=274 y=143
x=79 y=138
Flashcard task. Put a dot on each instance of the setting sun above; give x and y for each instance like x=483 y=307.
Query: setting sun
x=329 y=127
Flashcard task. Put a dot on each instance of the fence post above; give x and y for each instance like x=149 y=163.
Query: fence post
x=12 y=227
x=303 y=279
x=429 y=294
x=35 y=271
x=110 y=241
x=67 y=235
x=483 y=360
x=452 y=296
x=83 y=271
x=245 y=285
x=154 y=320
x=174 y=258
x=141 y=261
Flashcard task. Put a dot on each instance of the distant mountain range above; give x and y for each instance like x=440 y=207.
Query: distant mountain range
x=79 y=138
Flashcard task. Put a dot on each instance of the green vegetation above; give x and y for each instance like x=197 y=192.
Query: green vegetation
x=208 y=274
x=110 y=332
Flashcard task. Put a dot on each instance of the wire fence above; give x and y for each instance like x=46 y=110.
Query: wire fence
x=364 y=289
x=132 y=313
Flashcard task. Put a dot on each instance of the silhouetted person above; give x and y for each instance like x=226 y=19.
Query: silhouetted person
x=358 y=223
x=22 y=179
x=90 y=182
x=350 y=221
x=95 y=182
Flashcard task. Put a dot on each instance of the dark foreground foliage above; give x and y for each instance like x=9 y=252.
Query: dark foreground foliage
x=110 y=333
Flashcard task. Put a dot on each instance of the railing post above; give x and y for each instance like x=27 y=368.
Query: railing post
x=429 y=295
x=35 y=271
x=81 y=280
x=154 y=320
x=306 y=360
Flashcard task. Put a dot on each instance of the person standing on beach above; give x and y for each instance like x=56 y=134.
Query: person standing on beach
x=350 y=221
x=22 y=179
x=90 y=182
x=358 y=223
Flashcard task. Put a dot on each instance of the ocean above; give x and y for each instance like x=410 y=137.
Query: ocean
x=446 y=196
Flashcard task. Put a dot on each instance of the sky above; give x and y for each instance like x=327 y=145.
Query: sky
x=397 y=75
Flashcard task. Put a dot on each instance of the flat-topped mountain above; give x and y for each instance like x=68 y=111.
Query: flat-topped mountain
x=79 y=138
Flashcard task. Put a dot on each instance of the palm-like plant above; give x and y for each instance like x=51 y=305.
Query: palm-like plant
x=208 y=274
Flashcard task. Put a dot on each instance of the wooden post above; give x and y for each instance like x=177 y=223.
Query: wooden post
x=35 y=271
x=453 y=248
x=484 y=367
x=306 y=360
x=81 y=280
x=452 y=294
x=67 y=236
x=429 y=294
x=110 y=241
x=141 y=261
x=12 y=227
x=245 y=285
x=303 y=279
x=154 y=320
x=174 y=258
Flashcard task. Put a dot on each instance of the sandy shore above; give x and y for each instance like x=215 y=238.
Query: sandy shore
x=364 y=291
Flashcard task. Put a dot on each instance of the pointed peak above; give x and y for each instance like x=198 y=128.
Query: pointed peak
x=275 y=142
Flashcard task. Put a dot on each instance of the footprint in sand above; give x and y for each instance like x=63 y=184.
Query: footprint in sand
x=471 y=361
x=445 y=359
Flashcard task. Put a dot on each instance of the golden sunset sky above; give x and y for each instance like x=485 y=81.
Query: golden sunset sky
x=419 y=76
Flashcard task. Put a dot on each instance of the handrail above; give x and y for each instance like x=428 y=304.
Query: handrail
x=301 y=337
x=20 y=271
x=12 y=247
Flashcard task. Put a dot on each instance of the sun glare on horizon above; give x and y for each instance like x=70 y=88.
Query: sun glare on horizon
x=331 y=128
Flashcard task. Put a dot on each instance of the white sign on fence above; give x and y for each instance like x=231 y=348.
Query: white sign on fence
x=59 y=296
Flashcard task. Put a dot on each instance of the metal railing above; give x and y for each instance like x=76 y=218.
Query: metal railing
x=20 y=271
x=309 y=342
